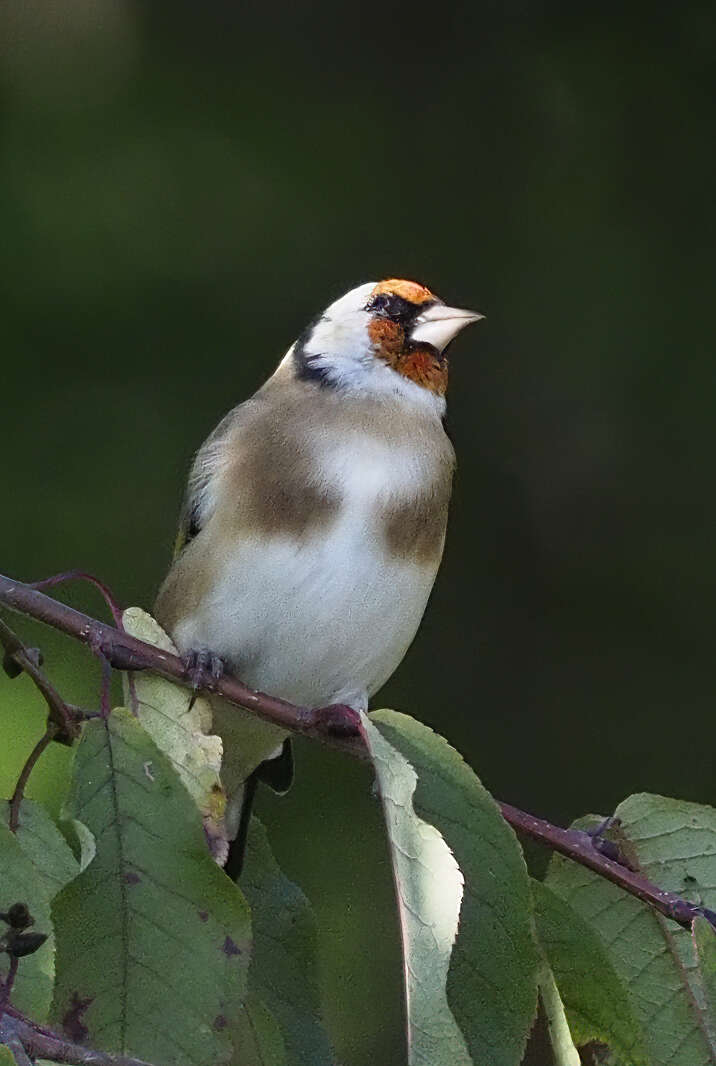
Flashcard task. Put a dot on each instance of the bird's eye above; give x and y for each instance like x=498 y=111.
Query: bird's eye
x=380 y=305
x=388 y=305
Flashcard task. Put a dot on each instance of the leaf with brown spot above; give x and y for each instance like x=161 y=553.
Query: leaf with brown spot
x=156 y=975
x=673 y=843
x=72 y=1024
x=229 y=948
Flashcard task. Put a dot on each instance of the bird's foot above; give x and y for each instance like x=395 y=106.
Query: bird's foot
x=202 y=667
x=337 y=719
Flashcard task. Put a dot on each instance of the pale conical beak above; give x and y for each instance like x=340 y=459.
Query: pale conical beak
x=438 y=325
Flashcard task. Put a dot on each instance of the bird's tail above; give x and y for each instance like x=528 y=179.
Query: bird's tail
x=277 y=773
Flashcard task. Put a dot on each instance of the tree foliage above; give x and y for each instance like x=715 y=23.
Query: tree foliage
x=149 y=950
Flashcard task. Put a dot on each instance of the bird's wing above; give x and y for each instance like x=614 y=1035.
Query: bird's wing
x=199 y=501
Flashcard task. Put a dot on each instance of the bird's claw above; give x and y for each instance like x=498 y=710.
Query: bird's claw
x=202 y=667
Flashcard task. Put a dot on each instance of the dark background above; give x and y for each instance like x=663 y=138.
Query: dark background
x=182 y=190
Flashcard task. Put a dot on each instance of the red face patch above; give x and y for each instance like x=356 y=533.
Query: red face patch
x=420 y=365
x=423 y=367
x=388 y=338
x=392 y=343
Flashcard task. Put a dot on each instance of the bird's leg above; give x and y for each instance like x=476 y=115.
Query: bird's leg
x=337 y=719
x=202 y=667
x=341 y=718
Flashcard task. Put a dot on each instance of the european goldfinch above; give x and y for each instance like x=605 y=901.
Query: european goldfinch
x=314 y=522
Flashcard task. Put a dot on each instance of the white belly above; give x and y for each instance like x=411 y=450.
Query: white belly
x=312 y=620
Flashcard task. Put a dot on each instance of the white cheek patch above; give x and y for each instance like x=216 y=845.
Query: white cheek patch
x=341 y=334
x=342 y=340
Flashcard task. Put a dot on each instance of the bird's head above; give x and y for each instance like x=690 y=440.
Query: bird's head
x=389 y=337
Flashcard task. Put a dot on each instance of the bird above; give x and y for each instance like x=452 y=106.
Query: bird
x=314 y=522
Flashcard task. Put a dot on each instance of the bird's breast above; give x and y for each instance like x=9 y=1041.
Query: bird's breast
x=390 y=489
x=316 y=566
x=396 y=496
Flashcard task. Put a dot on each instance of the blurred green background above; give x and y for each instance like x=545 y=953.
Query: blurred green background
x=182 y=189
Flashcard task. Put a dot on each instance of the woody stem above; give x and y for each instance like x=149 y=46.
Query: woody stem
x=124 y=652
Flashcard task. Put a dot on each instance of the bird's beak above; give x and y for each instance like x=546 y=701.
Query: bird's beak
x=438 y=325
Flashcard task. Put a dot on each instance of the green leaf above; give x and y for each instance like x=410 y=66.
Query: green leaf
x=673 y=843
x=565 y=1053
x=44 y=845
x=179 y=722
x=49 y=1062
x=283 y=964
x=6 y=1056
x=595 y=998
x=257 y=1038
x=20 y=883
x=47 y=865
x=704 y=936
x=152 y=937
x=86 y=844
x=471 y=994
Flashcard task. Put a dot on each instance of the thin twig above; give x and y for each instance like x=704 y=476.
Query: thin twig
x=579 y=846
x=6 y=986
x=106 y=689
x=19 y=794
x=22 y=657
x=115 y=610
x=127 y=653
x=82 y=575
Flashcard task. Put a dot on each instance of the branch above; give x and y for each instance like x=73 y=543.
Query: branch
x=125 y=652
x=9 y=1037
x=41 y=1044
x=7 y=985
x=19 y=794
x=579 y=846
